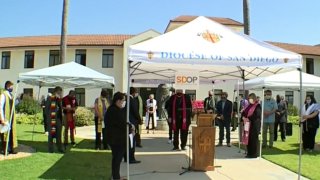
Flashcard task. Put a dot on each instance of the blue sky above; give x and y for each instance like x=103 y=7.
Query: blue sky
x=291 y=21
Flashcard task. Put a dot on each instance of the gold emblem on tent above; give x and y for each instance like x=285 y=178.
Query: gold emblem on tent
x=150 y=55
x=211 y=37
x=286 y=60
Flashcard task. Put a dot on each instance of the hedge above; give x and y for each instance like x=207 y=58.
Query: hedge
x=84 y=117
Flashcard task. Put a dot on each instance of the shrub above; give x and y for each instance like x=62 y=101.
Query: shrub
x=84 y=117
x=294 y=119
x=29 y=119
x=292 y=110
x=28 y=106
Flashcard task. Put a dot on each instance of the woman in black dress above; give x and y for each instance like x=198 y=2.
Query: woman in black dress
x=116 y=129
x=253 y=114
x=310 y=122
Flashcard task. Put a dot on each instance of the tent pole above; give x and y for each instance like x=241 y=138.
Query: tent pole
x=35 y=116
x=238 y=115
x=261 y=126
x=244 y=93
x=300 y=137
x=11 y=117
x=128 y=109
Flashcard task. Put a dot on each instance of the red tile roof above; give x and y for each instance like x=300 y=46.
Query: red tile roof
x=224 y=21
x=72 y=40
x=299 y=48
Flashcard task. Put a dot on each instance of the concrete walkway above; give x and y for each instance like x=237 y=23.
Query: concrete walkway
x=159 y=162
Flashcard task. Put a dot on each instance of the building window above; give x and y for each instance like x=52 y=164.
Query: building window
x=50 y=90
x=29 y=59
x=310 y=93
x=28 y=92
x=192 y=94
x=110 y=92
x=81 y=96
x=5 y=61
x=54 y=57
x=289 y=97
x=107 y=58
x=81 y=57
x=217 y=95
x=309 y=65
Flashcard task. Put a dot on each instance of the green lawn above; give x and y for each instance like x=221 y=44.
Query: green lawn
x=80 y=162
x=286 y=154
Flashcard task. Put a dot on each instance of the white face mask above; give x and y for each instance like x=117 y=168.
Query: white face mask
x=268 y=97
x=308 y=101
x=251 y=101
x=123 y=104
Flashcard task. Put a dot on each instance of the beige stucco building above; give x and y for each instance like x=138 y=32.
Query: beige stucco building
x=108 y=54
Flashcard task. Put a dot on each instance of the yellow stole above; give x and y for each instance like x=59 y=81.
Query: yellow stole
x=7 y=114
x=100 y=108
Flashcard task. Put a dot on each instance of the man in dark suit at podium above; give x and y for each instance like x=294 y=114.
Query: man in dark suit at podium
x=224 y=112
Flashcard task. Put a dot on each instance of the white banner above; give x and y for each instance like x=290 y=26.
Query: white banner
x=187 y=80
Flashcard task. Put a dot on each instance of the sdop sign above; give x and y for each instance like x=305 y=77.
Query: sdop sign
x=187 y=79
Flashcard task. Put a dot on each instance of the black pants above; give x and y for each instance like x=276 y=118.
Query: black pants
x=138 y=136
x=308 y=138
x=117 y=154
x=282 y=130
x=183 y=137
x=224 y=124
x=170 y=130
x=45 y=121
x=150 y=117
x=253 y=144
x=98 y=136
x=132 y=151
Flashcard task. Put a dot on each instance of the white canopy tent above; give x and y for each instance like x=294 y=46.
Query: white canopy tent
x=68 y=75
x=203 y=45
x=211 y=49
x=284 y=81
x=293 y=80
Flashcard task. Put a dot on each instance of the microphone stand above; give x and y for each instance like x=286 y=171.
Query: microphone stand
x=188 y=169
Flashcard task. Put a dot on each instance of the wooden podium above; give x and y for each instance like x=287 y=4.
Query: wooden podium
x=203 y=143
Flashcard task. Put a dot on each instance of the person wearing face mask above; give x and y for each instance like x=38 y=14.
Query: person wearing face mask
x=101 y=105
x=179 y=115
x=116 y=127
x=6 y=105
x=167 y=107
x=270 y=108
x=252 y=115
x=53 y=110
x=224 y=112
x=310 y=122
x=280 y=120
x=209 y=103
x=151 y=113
x=135 y=120
x=139 y=126
x=69 y=105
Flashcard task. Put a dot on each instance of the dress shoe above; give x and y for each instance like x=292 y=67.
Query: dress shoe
x=229 y=145
x=139 y=145
x=134 y=162
x=220 y=144
x=175 y=149
x=183 y=148
x=13 y=152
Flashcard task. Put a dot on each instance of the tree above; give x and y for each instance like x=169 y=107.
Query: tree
x=246 y=17
x=63 y=40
